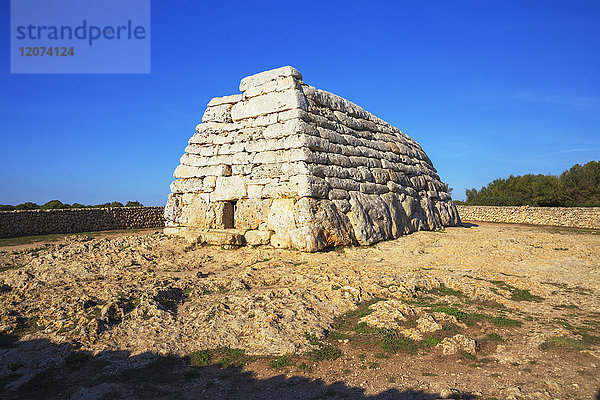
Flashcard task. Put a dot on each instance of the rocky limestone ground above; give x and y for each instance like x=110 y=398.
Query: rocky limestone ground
x=479 y=311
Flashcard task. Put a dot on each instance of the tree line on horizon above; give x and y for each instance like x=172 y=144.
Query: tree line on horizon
x=58 y=205
x=578 y=186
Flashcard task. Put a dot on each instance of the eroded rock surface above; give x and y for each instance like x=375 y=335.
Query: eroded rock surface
x=499 y=294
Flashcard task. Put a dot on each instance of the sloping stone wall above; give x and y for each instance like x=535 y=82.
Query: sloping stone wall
x=43 y=222
x=299 y=167
x=574 y=217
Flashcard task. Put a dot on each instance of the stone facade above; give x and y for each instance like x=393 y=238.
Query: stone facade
x=573 y=217
x=44 y=222
x=289 y=165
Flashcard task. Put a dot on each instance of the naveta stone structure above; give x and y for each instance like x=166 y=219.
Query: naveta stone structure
x=289 y=165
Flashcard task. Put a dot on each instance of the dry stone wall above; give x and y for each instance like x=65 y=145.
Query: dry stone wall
x=574 y=217
x=43 y=222
x=294 y=166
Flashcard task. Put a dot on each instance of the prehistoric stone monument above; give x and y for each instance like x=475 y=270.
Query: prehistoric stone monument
x=289 y=165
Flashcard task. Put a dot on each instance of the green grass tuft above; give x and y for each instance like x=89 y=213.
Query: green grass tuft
x=324 y=353
x=589 y=339
x=460 y=315
x=280 y=362
x=392 y=342
x=303 y=367
x=363 y=329
x=312 y=339
x=562 y=341
x=200 y=358
x=9 y=267
x=443 y=290
x=494 y=337
x=503 y=321
x=335 y=335
x=233 y=357
x=431 y=341
x=524 y=295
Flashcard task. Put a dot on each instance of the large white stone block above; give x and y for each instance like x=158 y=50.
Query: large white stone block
x=229 y=188
x=256 y=237
x=281 y=216
x=220 y=113
x=268 y=103
x=310 y=186
x=263 y=77
x=232 y=99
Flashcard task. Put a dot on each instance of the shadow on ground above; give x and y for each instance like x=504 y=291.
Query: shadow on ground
x=40 y=369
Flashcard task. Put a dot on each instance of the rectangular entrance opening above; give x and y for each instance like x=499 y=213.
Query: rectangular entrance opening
x=229 y=214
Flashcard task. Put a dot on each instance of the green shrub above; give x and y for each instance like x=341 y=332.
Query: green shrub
x=578 y=186
x=57 y=204
x=54 y=205
x=27 y=206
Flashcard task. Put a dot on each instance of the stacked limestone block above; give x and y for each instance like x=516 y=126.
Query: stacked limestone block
x=289 y=165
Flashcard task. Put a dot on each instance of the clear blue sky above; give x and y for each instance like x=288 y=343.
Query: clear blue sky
x=488 y=88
